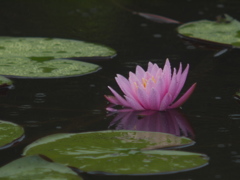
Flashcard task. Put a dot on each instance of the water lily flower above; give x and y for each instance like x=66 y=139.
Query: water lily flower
x=154 y=89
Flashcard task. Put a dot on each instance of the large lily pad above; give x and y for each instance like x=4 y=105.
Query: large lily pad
x=44 y=68
x=35 y=167
x=111 y=141
x=118 y=152
x=10 y=133
x=224 y=31
x=51 y=47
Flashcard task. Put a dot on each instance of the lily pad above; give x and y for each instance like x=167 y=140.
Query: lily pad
x=52 y=48
x=111 y=141
x=10 y=133
x=5 y=82
x=35 y=167
x=44 y=68
x=224 y=31
x=118 y=152
x=139 y=163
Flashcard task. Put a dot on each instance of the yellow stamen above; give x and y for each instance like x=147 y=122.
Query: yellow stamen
x=153 y=79
x=144 y=81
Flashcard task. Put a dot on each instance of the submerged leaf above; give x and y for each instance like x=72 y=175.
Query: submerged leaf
x=51 y=48
x=35 y=167
x=118 y=152
x=44 y=68
x=222 y=33
x=157 y=18
x=10 y=133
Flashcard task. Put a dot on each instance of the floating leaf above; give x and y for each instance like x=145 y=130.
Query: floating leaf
x=35 y=167
x=44 y=68
x=10 y=133
x=140 y=163
x=111 y=141
x=5 y=84
x=5 y=81
x=157 y=18
x=118 y=152
x=151 y=17
x=51 y=48
x=223 y=33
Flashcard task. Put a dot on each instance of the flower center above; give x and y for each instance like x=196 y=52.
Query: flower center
x=144 y=81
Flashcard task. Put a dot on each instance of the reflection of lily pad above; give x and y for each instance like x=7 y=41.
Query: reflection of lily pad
x=9 y=134
x=51 y=47
x=42 y=67
x=226 y=31
x=34 y=167
x=118 y=152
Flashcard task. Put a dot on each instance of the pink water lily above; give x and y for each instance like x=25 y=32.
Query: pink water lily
x=154 y=89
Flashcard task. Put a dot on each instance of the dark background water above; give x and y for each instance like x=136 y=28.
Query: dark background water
x=77 y=104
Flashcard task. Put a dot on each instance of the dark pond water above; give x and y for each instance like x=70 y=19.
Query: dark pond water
x=77 y=104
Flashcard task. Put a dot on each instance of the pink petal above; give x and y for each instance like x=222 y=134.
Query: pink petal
x=147 y=76
x=134 y=104
x=187 y=94
x=167 y=73
x=134 y=82
x=160 y=89
x=165 y=102
x=139 y=72
x=158 y=74
x=150 y=65
x=142 y=98
x=179 y=71
x=120 y=99
x=111 y=109
x=173 y=85
x=112 y=99
x=125 y=86
x=149 y=86
x=182 y=79
x=153 y=101
x=154 y=69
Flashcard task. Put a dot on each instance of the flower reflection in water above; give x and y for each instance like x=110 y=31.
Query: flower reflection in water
x=170 y=121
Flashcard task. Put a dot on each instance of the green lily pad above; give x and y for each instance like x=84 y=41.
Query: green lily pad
x=44 y=68
x=111 y=141
x=138 y=163
x=118 y=152
x=5 y=81
x=224 y=31
x=10 y=133
x=35 y=167
x=52 y=48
